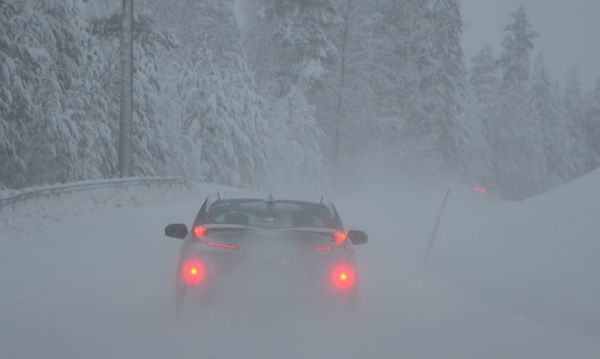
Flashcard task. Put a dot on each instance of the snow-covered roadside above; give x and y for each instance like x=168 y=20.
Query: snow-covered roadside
x=34 y=214
x=100 y=284
x=519 y=278
x=539 y=257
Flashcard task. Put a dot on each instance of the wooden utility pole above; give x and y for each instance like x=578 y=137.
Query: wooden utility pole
x=126 y=116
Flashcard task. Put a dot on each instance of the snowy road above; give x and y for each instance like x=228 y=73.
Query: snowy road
x=100 y=285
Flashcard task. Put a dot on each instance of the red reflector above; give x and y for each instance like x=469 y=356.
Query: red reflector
x=200 y=231
x=222 y=245
x=340 y=238
x=193 y=272
x=343 y=277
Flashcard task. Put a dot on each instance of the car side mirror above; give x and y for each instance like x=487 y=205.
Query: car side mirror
x=357 y=237
x=179 y=231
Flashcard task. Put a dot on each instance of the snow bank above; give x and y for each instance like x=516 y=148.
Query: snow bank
x=538 y=257
x=505 y=280
x=35 y=213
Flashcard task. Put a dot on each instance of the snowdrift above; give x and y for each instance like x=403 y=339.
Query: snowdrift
x=538 y=257
x=505 y=280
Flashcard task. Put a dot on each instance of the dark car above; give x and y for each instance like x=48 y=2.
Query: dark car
x=266 y=248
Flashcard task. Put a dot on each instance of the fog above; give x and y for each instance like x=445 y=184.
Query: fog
x=120 y=117
x=101 y=284
x=568 y=31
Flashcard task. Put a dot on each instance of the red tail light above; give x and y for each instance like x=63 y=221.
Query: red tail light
x=343 y=277
x=193 y=272
x=201 y=231
x=322 y=248
x=339 y=237
x=222 y=245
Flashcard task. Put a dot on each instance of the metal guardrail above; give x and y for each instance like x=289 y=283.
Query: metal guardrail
x=57 y=190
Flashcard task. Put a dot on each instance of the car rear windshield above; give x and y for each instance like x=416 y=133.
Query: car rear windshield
x=270 y=215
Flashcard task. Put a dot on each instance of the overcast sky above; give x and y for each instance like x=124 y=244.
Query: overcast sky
x=569 y=29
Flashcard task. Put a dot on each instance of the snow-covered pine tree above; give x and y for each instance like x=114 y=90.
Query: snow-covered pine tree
x=517 y=143
x=444 y=82
x=483 y=89
x=422 y=80
x=403 y=48
x=575 y=151
x=515 y=59
x=592 y=125
x=403 y=31
x=57 y=109
x=299 y=161
x=483 y=78
x=547 y=114
x=46 y=57
x=345 y=107
x=224 y=122
x=290 y=49
x=14 y=102
x=222 y=116
x=90 y=108
x=155 y=133
x=208 y=123
x=187 y=110
x=198 y=24
x=296 y=36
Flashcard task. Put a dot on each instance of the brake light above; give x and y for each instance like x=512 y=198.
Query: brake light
x=340 y=238
x=343 y=277
x=222 y=245
x=193 y=272
x=323 y=248
x=200 y=231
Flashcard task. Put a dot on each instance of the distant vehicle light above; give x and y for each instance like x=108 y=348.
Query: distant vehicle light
x=481 y=190
x=343 y=277
x=193 y=272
